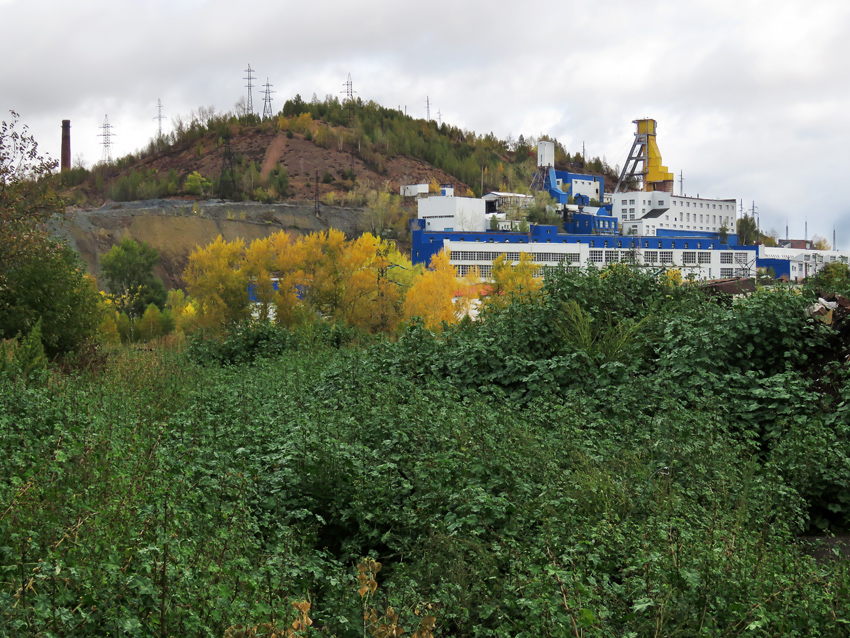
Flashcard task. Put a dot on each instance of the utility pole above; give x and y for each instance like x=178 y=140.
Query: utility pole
x=250 y=77
x=349 y=97
x=107 y=134
x=267 y=101
x=227 y=169
x=317 y=193
x=159 y=117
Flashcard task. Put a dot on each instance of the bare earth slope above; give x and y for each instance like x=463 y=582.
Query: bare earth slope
x=175 y=227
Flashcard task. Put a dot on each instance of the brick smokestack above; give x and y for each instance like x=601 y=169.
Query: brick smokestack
x=66 y=145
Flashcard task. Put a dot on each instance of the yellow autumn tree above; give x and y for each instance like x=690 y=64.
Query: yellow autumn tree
x=324 y=279
x=259 y=261
x=215 y=277
x=513 y=281
x=376 y=277
x=431 y=294
x=183 y=309
x=289 y=267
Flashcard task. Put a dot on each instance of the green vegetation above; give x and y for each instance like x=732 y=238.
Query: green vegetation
x=42 y=282
x=617 y=456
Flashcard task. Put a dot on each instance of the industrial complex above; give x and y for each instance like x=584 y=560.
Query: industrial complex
x=641 y=222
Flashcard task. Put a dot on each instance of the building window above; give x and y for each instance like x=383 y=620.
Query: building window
x=650 y=256
x=725 y=273
x=725 y=258
x=611 y=256
x=704 y=258
x=596 y=256
x=689 y=258
x=666 y=256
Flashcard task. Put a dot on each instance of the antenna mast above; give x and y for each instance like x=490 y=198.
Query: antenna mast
x=267 y=100
x=106 y=127
x=681 y=183
x=250 y=85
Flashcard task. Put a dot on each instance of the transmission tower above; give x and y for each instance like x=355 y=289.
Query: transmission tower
x=267 y=100
x=250 y=85
x=349 y=97
x=427 y=109
x=228 y=172
x=439 y=118
x=159 y=117
x=107 y=134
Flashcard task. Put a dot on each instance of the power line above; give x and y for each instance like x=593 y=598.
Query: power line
x=250 y=85
x=107 y=134
x=267 y=100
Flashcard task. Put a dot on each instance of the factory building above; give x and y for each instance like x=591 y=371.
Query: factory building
x=650 y=227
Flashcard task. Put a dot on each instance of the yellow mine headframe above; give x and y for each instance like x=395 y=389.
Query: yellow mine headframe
x=644 y=161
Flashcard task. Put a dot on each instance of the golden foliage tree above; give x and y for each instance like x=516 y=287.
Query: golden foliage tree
x=431 y=294
x=513 y=281
x=259 y=262
x=217 y=279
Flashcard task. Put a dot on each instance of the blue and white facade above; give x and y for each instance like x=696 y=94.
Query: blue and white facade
x=593 y=237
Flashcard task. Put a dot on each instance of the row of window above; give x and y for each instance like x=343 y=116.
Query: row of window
x=631 y=202
x=469 y=255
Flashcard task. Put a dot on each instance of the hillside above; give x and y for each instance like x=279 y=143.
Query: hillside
x=353 y=160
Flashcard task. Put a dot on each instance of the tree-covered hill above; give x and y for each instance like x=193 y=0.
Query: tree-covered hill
x=346 y=147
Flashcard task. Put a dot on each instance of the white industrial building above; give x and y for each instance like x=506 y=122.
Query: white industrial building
x=701 y=264
x=644 y=213
x=458 y=214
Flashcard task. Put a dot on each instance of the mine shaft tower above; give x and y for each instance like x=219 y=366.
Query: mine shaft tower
x=644 y=161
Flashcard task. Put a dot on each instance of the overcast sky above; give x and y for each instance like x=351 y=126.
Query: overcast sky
x=752 y=97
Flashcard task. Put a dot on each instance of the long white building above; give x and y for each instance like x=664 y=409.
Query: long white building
x=644 y=213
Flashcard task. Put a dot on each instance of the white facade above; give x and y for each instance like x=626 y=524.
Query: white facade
x=453 y=214
x=696 y=262
x=804 y=262
x=587 y=187
x=644 y=213
x=545 y=154
x=414 y=190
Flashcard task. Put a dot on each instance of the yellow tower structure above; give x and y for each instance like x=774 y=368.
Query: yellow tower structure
x=644 y=161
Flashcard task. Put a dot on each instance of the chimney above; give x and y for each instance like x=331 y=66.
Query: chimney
x=66 y=145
